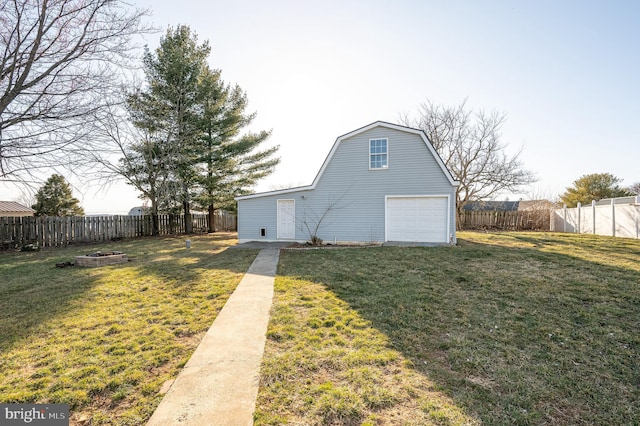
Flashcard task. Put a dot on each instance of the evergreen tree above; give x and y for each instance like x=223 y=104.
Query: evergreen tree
x=168 y=109
x=193 y=122
x=55 y=198
x=229 y=163
x=591 y=187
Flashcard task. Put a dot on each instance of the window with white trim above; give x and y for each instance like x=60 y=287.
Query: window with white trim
x=378 y=154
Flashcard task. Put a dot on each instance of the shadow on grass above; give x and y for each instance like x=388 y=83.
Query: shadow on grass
x=616 y=246
x=104 y=340
x=523 y=334
x=33 y=290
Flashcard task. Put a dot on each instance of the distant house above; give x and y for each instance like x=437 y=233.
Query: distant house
x=382 y=182
x=537 y=205
x=139 y=211
x=486 y=206
x=13 y=209
x=509 y=206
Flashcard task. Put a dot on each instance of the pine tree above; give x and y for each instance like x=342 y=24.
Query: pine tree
x=55 y=198
x=167 y=110
x=230 y=163
x=193 y=122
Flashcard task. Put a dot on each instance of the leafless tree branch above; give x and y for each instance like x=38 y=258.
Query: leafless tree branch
x=313 y=221
x=60 y=60
x=471 y=147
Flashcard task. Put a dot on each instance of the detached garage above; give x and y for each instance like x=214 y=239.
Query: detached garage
x=380 y=183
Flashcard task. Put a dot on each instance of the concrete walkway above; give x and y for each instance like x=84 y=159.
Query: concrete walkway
x=219 y=384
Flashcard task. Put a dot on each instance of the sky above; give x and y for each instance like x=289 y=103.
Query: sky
x=565 y=73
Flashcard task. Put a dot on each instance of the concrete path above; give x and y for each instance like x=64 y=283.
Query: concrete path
x=219 y=384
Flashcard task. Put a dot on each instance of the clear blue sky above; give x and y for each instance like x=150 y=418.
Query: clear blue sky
x=566 y=74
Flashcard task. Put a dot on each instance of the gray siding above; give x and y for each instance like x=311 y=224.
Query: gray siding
x=355 y=194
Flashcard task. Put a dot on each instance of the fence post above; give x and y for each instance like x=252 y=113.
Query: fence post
x=613 y=218
x=637 y=209
x=579 y=215
x=593 y=207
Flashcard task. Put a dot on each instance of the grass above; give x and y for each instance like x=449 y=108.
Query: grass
x=512 y=328
x=104 y=340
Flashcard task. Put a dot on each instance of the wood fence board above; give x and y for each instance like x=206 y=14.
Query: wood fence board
x=521 y=220
x=57 y=231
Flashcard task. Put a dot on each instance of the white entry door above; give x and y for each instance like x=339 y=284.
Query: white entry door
x=286 y=219
x=417 y=219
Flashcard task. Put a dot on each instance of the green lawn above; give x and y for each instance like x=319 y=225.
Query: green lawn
x=513 y=328
x=510 y=328
x=104 y=340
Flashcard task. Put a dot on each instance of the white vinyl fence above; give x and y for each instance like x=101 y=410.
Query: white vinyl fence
x=618 y=217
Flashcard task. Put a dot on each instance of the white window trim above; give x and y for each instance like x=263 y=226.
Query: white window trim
x=369 y=154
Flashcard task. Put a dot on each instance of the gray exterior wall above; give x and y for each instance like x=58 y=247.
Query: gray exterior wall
x=355 y=194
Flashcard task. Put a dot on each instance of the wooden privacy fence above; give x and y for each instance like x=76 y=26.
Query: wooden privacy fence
x=225 y=221
x=520 y=220
x=46 y=231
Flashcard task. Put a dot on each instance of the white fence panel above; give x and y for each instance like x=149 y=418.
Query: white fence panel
x=628 y=221
x=606 y=217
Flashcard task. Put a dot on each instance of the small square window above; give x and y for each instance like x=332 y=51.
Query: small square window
x=378 y=156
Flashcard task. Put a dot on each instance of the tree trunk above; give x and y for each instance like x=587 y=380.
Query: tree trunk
x=212 y=219
x=154 y=218
x=188 y=222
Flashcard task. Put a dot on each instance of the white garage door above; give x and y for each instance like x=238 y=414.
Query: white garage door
x=417 y=219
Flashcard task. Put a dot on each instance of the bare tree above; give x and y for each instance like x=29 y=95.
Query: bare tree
x=286 y=185
x=470 y=146
x=58 y=60
x=634 y=188
x=313 y=220
x=134 y=156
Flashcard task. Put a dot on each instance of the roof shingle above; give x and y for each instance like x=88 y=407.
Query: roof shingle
x=12 y=206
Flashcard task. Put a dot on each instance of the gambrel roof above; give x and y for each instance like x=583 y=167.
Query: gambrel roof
x=337 y=143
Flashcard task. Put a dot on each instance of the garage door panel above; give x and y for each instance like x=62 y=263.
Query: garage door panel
x=417 y=219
